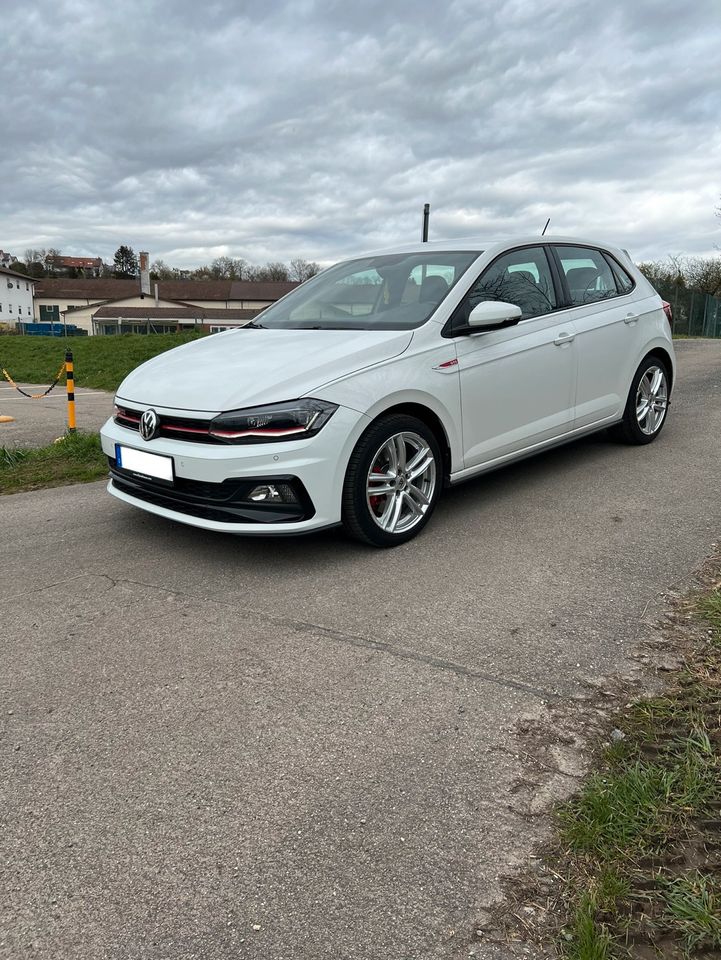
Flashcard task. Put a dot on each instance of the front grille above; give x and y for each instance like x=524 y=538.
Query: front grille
x=224 y=501
x=174 y=428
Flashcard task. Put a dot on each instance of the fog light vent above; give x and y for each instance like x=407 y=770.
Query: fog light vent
x=273 y=493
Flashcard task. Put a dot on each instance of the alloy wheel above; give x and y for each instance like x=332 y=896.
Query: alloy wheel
x=401 y=482
x=651 y=400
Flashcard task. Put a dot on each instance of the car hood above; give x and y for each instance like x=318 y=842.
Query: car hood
x=240 y=368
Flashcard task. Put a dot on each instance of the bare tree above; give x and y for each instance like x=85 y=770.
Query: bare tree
x=664 y=273
x=274 y=270
x=704 y=274
x=302 y=270
x=159 y=270
x=228 y=268
x=35 y=262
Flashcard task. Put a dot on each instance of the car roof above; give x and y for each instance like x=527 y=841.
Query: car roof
x=477 y=245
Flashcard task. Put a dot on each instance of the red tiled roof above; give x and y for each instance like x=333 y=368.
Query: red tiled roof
x=85 y=289
x=111 y=289
x=75 y=261
x=259 y=289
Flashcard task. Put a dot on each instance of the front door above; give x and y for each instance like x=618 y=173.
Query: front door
x=517 y=383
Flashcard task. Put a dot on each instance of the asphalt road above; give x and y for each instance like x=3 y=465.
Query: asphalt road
x=214 y=747
x=37 y=422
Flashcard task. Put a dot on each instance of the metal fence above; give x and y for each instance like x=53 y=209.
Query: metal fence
x=695 y=314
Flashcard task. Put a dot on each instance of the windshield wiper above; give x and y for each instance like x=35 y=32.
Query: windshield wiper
x=254 y=325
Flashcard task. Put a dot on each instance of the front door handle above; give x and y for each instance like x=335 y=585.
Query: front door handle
x=564 y=338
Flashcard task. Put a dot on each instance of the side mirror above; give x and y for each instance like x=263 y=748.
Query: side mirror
x=489 y=313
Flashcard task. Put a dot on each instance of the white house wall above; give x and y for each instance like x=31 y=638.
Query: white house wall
x=82 y=318
x=16 y=299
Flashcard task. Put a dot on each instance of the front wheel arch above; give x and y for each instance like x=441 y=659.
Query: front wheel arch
x=432 y=421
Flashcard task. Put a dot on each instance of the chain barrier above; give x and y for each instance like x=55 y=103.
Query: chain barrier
x=35 y=396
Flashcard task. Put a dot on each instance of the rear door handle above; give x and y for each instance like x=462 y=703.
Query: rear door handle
x=564 y=338
x=630 y=318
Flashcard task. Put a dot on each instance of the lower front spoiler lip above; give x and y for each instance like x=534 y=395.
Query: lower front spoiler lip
x=224 y=502
x=290 y=529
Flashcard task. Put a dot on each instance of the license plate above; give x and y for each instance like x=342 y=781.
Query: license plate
x=147 y=466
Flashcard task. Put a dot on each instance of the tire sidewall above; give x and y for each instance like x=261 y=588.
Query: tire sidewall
x=630 y=418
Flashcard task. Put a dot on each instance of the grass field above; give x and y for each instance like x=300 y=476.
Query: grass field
x=100 y=362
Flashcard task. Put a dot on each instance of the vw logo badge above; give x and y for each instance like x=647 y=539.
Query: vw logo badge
x=149 y=424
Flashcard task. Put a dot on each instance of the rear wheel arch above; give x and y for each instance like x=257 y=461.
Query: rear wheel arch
x=665 y=358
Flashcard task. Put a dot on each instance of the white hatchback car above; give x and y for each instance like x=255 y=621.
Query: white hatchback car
x=357 y=397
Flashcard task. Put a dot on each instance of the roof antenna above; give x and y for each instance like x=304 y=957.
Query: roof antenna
x=543 y=232
x=426 y=215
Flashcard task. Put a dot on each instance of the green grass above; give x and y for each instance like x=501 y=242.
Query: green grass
x=74 y=458
x=637 y=837
x=100 y=362
x=693 y=910
x=710 y=609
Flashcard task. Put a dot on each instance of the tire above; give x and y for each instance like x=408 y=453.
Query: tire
x=403 y=454
x=647 y=404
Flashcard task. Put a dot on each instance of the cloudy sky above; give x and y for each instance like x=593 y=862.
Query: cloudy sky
x=271 y=130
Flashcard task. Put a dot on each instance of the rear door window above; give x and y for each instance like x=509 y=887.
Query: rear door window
x=588 y=275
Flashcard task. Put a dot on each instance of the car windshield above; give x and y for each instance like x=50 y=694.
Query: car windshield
x=395 y=292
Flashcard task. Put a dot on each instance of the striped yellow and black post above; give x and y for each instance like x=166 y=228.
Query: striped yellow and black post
x=70 y=387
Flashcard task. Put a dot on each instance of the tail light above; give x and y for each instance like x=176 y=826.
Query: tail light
x=667 y=311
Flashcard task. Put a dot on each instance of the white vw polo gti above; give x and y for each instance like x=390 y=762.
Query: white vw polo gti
x=357 y=397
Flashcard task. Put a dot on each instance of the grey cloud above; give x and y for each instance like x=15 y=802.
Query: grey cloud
x=270 y=130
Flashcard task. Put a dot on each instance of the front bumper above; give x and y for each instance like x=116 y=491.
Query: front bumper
x=212 y=481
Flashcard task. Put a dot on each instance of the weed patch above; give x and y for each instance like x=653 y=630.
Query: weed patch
x=635 y=868
x=74 y=458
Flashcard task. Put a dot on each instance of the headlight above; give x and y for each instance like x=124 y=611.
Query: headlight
x=293 y=420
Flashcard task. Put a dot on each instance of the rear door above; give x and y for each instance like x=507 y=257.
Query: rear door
x=607 y=319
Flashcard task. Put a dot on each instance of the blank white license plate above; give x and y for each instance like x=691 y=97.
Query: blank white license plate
x=146 y=465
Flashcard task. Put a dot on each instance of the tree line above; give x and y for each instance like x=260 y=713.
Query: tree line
x=694 y=274
x=40 y=263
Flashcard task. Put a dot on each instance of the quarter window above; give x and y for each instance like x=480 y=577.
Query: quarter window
x=588 y=275
x=624 y=283
x=522 y=277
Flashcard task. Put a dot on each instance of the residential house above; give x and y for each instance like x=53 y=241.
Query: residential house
x=16 y=297
x=72 y=266
x=175 y=303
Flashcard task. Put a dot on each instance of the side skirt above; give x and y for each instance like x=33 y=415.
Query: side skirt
x=489 y=465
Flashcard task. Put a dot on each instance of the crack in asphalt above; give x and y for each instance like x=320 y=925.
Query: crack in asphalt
x=356 y=640
x=41 y=588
